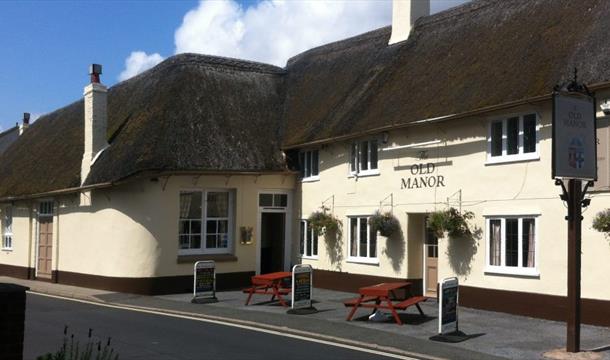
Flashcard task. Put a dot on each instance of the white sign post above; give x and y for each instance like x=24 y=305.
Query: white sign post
x=302 y=290
x=204 y=282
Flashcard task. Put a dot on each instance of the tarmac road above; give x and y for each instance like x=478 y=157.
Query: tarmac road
x=137 y=335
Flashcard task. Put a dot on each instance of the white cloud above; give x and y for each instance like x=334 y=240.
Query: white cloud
x=271 y=31
x=274 y=30
x=138 y=62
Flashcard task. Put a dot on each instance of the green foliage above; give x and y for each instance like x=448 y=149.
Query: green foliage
x=601 y=222
x=451 y=221
x=325 y=223
x=387 y=224
x=92 y=350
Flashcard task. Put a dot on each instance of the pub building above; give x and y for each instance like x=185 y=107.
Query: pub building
x=210 y=158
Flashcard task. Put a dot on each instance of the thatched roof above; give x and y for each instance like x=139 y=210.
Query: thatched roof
x=8 y=137
x=201 y=113
x=476 y=55
x=191 y=112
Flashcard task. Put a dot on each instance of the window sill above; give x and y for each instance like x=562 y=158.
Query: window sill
x=367 y=261
x=183 y=259
x=526 y=272
x=7 y=249
x=303 y=257
x=310 y=179
x=511 y=159
x=364 y=174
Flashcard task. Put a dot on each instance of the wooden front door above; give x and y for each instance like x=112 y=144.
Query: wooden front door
x=431 y=263
x=45 y=246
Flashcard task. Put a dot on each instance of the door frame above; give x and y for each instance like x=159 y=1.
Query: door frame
x=425 y=257
x=287 y=211
x=37 y=239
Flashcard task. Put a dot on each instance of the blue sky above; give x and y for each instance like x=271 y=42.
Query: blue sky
x=48 y=45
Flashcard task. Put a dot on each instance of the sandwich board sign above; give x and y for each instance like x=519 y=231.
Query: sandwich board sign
x=574 y=136
x=448 y=306
x=302 y=290
x=204 y=282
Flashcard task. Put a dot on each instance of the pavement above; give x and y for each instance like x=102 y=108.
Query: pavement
x=492 y=335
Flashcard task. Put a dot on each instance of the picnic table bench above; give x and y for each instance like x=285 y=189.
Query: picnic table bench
x=269 y=284
x=381 y=296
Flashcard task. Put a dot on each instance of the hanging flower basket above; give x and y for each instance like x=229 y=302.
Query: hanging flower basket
x=450 y=221
x=323 y=222
x=387 y=224
x=601 y=222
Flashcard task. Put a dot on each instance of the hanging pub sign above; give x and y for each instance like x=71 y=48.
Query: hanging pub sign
x=302 y=290
x=448 y=306
x=574 y=136
x=204 y=282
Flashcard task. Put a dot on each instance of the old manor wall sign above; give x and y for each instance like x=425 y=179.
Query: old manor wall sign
x=423 y=177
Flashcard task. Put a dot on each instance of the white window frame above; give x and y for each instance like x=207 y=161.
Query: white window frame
x=203 y=249
x=307 y=175
x=358 y=258
x=7 y=230
x=520 y=156
x=519 y=270
x=303 y=236
x=357 y=146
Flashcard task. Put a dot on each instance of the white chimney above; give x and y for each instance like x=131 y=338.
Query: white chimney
x=95 y=120
x=25 y=124
x=404 y=14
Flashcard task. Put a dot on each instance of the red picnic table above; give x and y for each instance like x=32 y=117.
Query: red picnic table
x=382 y=296
x=269 y=284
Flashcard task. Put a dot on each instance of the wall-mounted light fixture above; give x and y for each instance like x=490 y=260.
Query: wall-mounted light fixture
x=605 y=107
x=384 y=137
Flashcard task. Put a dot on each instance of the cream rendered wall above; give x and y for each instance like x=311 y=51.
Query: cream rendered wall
x=519 y=188
x=132 y=230
x=22 y=235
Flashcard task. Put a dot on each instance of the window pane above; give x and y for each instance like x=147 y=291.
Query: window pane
x=210 y=241
x=496 y=139
x=364 y=155
x=315 y=163
x=211 y=227
x=373 y=154
x=190 y=205
x=315 y=243
x=529 y=244
x=512 y=242
x=280 y=200
x=354 y=158
x=195 y=241
x=363 y=237
x=302 y=237
x=195 y=226
x=218 y=204
x=353 y=233
x=529 y=133
x=308 y=164
x=184 y=241
x=265 y=200
x=223 y=226
x=309 y=240
x=223 y=241
x=495 y=240
x=512 y=136
x=373 y=243
x=302 y=164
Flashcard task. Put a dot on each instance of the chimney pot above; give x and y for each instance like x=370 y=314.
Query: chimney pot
x=26 y=118
x=95 y=70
